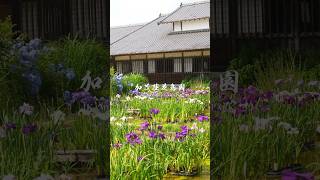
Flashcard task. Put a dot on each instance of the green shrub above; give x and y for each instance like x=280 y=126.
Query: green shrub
x=279 y=65
x=196 y=81
x=311 y=58
x=244 y=64
x=9 y=87
x=269 y=65
x=247 y=74
x=129 y=82
x=78 y=55
x=113 y=84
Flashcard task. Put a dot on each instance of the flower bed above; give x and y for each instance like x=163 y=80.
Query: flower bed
x=262 y=132
x=170 y=134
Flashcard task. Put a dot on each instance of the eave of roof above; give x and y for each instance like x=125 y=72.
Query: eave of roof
x=165 y=21
x=187 y=19
x=118 y=32
x=155 y=52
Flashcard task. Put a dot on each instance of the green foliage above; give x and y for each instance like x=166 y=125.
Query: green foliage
x=313 y=73
x=259 y=150
x=196 y=81
x=9 y=88
x=27 y=156
x=159 y=156
x=6 y=36
x=260 y=68
x=130 y=81
x=113 y=84
x=80 y=56
x=311 y=58
x=244 y=64
x=246 y=71
x=279 y=65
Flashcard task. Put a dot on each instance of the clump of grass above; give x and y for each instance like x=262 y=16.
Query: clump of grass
x=280 y=65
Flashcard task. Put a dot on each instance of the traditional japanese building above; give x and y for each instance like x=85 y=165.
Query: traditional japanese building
x=167 y=49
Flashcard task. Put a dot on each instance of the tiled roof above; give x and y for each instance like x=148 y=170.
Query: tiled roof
x=121 y=31
x=189 y=12
x=156 y=37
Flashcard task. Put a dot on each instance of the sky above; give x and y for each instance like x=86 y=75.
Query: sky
x=126 y=12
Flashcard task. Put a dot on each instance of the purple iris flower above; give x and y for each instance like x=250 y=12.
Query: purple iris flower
x=10 y=126
x=289 y=100
x=224 y=98
x=202 y=118
x=139 y=158
x=88 y=100
x=83 y=97
x=160 y=127
x=152 y=135
x=217 y=119
x=240 y=110
x=180 y=136
x=251 y=90
x=267 y=95
x=133 y=138
x=154 y=111
x=144 y=126
x=167 y=95
x=29 y=128
x=184 y=130
x=134 y=92
x=161 y=136
x=117 y=145
x=288 y=174
x=264 y=108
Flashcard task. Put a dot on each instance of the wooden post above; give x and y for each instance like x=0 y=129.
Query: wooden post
x=15 y=6
x=297 y=26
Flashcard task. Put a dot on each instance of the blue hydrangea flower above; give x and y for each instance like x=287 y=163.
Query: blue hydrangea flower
x=70 y=75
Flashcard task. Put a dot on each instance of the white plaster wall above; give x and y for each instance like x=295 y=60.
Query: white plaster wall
x=195 y=24
x=177 y=26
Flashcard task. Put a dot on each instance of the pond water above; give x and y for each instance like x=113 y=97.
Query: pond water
x=204 y=174
x=199 y=177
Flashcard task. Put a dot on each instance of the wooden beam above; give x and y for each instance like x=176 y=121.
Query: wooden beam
x=138 y=57
x=155 y=56
x=173 y=54
x=192 y=53
x=121 y=58
x=163 y=55
x=206 y=53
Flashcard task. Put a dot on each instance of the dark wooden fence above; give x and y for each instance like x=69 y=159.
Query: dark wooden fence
x=262 y=24
x=265 y=18
x=52 y=19
x=4 y=9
